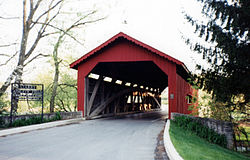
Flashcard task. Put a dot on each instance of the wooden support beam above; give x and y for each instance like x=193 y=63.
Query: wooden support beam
x=124 y=102
x=132 y=99
x=102 y=106
x=116 y=105
x=93 y=95
x=138 y=97
x=157 y=102
x=86 y=97
x=102 y=93
x=143 y=100
x=147 y=101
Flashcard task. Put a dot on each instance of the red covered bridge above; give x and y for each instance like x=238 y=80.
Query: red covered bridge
x=124 y=74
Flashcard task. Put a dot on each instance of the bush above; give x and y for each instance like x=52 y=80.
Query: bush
x=200 y=130
x=35 y=120
x=25 y=122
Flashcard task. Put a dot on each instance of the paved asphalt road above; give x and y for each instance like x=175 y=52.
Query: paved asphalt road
x=102 y=139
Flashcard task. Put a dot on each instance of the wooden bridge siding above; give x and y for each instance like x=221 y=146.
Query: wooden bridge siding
x=128 y=52
x=183 y=89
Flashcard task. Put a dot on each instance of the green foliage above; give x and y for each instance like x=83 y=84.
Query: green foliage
x=200 y=130
x=4 y=104
x=33 y=120
x=192 y=147
x=66 y=98
x=56 y=117
x=226 y=32
x=220 y=111
x=242 y=133
x=1 y=122
x=193 y=99
x=25 y=122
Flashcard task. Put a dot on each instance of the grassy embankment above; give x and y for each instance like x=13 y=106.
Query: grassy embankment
x=192 y=147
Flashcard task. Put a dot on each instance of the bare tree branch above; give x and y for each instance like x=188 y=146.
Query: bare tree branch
x=73 y=26
x=37 y=5
x=24 y=15
x=35 y=57
x=62 y=105
x=91 y=13
x=42 y=29
x=9 y=18
x=46 y=12
x=68 y=85
x=48 y=34
x=9 y=59
x=6 y=55
x=86 y=22
x=55 y=27
x=29 y=11
x=31 y=5
x=33 y=11
x=34 y=45
x=7 y=45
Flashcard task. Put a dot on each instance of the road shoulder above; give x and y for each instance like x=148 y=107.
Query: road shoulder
x=24 y=129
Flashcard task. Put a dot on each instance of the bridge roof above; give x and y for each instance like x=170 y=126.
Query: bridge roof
x=85 y=57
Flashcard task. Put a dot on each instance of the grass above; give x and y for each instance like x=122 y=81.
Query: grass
x=192 y=147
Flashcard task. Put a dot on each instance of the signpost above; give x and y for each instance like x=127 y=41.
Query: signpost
x=26 y=92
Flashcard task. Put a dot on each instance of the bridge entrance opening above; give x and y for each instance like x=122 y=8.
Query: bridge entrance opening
x=116 y=87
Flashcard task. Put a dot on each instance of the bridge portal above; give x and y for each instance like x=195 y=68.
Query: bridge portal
x=124 y=74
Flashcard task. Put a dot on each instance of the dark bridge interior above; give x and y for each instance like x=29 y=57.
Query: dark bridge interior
x=145 y=73
x=115 y=87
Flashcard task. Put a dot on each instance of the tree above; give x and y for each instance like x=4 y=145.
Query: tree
x=78 y=23
x=34 y=20
x=226 y=48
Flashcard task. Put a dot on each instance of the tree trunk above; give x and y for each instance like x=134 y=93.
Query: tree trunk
x=54 y=86
x=18 y=71
x=56 y=75
x=7 y=83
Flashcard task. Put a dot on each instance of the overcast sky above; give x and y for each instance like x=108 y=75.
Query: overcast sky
x=158 y=23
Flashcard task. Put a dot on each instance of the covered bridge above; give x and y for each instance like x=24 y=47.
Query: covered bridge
x=124 y=74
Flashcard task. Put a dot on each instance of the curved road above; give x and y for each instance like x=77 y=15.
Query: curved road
x=102 y=139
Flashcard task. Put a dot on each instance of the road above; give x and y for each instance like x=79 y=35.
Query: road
x=101 y=139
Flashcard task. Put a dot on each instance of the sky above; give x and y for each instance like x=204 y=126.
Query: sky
x=158 y=23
